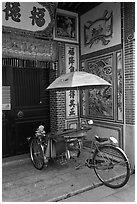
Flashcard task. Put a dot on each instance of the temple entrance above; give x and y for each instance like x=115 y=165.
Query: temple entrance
x=29 y=103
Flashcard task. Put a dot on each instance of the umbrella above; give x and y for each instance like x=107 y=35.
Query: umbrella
x=78 y=80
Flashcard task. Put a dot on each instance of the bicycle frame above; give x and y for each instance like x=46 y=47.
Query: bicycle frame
x=96 y=144
x=103 y=154
x=89 y=160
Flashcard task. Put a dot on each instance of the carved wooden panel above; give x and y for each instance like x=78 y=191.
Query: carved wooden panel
x=101 y=27
x=119 y=86
x=101 y=99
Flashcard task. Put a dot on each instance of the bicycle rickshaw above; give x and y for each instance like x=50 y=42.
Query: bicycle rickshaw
x=109 y=161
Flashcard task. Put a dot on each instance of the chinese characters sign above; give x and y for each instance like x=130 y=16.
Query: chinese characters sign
x=30 y=16
x=12 y=10
x=71 y=55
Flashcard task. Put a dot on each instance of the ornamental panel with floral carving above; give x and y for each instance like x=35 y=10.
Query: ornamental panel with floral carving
x=100 y=100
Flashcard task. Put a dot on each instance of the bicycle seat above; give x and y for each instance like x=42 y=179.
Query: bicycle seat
x=101 y=139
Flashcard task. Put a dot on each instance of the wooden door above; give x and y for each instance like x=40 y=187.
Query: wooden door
x=29 y=104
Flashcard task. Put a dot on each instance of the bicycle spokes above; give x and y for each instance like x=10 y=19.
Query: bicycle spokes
x=111 y=166
x=36 y=153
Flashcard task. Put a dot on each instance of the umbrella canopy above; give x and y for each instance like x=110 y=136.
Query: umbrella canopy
x=77 y=79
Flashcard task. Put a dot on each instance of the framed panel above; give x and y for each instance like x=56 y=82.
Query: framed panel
x=66 y=26
x=100 y=28
x=83 y=94
x=119 y=86
x=107 y=129
x=101 y=100
x=71 y=124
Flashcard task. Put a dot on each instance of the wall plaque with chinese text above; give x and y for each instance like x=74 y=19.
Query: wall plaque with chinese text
x=71 y=59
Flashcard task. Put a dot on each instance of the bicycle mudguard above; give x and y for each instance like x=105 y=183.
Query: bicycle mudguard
x=100 y=145
x=112 y=145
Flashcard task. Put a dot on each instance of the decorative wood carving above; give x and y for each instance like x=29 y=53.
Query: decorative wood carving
x=99 y=30
x=28 y=48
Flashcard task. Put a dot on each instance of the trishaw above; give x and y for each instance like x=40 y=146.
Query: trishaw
x=109 y=161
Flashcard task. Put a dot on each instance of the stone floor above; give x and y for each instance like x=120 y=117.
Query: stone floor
x=21 y=182
x=104 y=194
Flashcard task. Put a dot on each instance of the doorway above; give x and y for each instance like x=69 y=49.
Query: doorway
x=30 y=103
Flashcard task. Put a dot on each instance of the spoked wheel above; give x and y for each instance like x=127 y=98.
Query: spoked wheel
x=111 y=166
x=36 y=153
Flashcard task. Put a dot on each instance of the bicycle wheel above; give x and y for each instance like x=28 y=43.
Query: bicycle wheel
x=111 y=166
x=36 y=153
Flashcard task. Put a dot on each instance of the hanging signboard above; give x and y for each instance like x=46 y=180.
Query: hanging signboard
x=30 y=16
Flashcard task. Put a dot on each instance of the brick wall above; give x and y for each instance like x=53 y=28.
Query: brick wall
x=129 y=61
x=57 y=103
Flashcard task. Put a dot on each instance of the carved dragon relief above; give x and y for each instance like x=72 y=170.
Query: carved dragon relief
x=99 y=30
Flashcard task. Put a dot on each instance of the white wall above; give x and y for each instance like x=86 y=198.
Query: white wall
x=129 y=143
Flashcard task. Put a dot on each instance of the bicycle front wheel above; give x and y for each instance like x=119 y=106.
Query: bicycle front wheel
x=111 y=166
x=36 y=153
